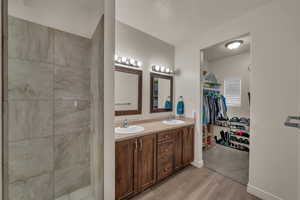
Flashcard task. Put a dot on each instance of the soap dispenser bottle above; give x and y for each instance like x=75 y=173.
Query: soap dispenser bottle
x=180 y=107
x=168 y=103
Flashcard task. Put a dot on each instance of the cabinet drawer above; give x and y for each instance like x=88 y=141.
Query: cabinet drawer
x=165 y=170
x=169 y=135
x=165 y=149
x=163 y=160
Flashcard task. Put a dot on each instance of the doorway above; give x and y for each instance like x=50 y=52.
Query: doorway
x=225 y=117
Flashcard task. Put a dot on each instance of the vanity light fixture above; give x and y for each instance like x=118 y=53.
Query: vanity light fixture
x=156 y=68
x=139 y=63
x=234 y=44
x=161 y=69
x=124 y=60
x=130 y=62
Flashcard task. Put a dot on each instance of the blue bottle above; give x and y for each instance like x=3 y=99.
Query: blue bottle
x=168 y=103
x=180 y=107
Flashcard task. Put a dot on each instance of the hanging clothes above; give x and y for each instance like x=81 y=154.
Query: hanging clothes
x=214 y=107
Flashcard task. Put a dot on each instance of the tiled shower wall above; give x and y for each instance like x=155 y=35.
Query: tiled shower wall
x=49 y=112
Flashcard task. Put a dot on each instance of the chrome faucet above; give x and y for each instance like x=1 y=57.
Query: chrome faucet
x=125 y=123
x=170 y=117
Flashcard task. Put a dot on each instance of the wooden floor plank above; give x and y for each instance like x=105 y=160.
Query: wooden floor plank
x=197 y=184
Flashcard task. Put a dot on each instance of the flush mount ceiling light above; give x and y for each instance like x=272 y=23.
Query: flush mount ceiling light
x=234 y=44
x=130 y=62
x=161 y=69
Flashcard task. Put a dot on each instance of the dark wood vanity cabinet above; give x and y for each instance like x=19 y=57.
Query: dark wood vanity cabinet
x=165 y=154
x=135 y=165
x=141 y=162
x=146 y=162
x=178 y=164
x=187 y=146
x=126 y=169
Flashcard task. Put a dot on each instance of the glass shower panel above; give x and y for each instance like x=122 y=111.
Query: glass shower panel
x=49 y=105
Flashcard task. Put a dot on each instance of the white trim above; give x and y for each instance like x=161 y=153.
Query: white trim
x=108 y=101
x=198 y=163
x=260 y=193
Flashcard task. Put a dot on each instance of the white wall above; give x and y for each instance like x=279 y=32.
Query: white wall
x=274 y=156
x=108 y=113
x=234 y=67
x=131 y=42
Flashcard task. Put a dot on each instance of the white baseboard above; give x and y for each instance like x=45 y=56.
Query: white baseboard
x=198 y=163
x=261 y=193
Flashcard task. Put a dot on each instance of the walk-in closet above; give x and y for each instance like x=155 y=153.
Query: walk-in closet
x=226 y=95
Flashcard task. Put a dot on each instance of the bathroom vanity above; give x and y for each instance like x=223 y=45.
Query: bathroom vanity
x=144 y=159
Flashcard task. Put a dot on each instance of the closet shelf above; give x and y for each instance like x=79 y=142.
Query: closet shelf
x=240 y=123
x=241 y=136
x=242 y=144
x=211 y=89
x=236 y=129
x=211 y=83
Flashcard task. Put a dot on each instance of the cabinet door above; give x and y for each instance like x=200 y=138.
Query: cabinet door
x=147 y=161
x=165 y=159
x=178 y=150
x=188 y=145
x=126 y=169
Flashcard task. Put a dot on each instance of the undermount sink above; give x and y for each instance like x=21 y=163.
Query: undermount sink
x=173 y=122
x=129 y=130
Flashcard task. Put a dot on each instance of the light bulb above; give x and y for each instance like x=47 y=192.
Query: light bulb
x=132 y=61
x=162 y=69
x=139 y=64
x=168 y=70
x=116 y=57
x=124 y=59
x=157 y=67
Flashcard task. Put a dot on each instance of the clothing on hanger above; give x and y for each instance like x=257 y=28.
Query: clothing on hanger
x=214 y=107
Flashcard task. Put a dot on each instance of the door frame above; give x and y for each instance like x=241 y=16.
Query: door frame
x=199 y=151
x=3 y=85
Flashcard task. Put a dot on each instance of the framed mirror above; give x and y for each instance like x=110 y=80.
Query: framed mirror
x=128 y=91
x=161 y=93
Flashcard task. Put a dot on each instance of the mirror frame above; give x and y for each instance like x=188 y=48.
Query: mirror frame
x=152 y=77
x=140 y=88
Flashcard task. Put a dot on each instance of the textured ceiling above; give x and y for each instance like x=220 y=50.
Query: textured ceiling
x=75 y=16
x=176 y=20
x=219 y=51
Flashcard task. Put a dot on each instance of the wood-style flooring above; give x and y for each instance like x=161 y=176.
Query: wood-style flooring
x=197 y=184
